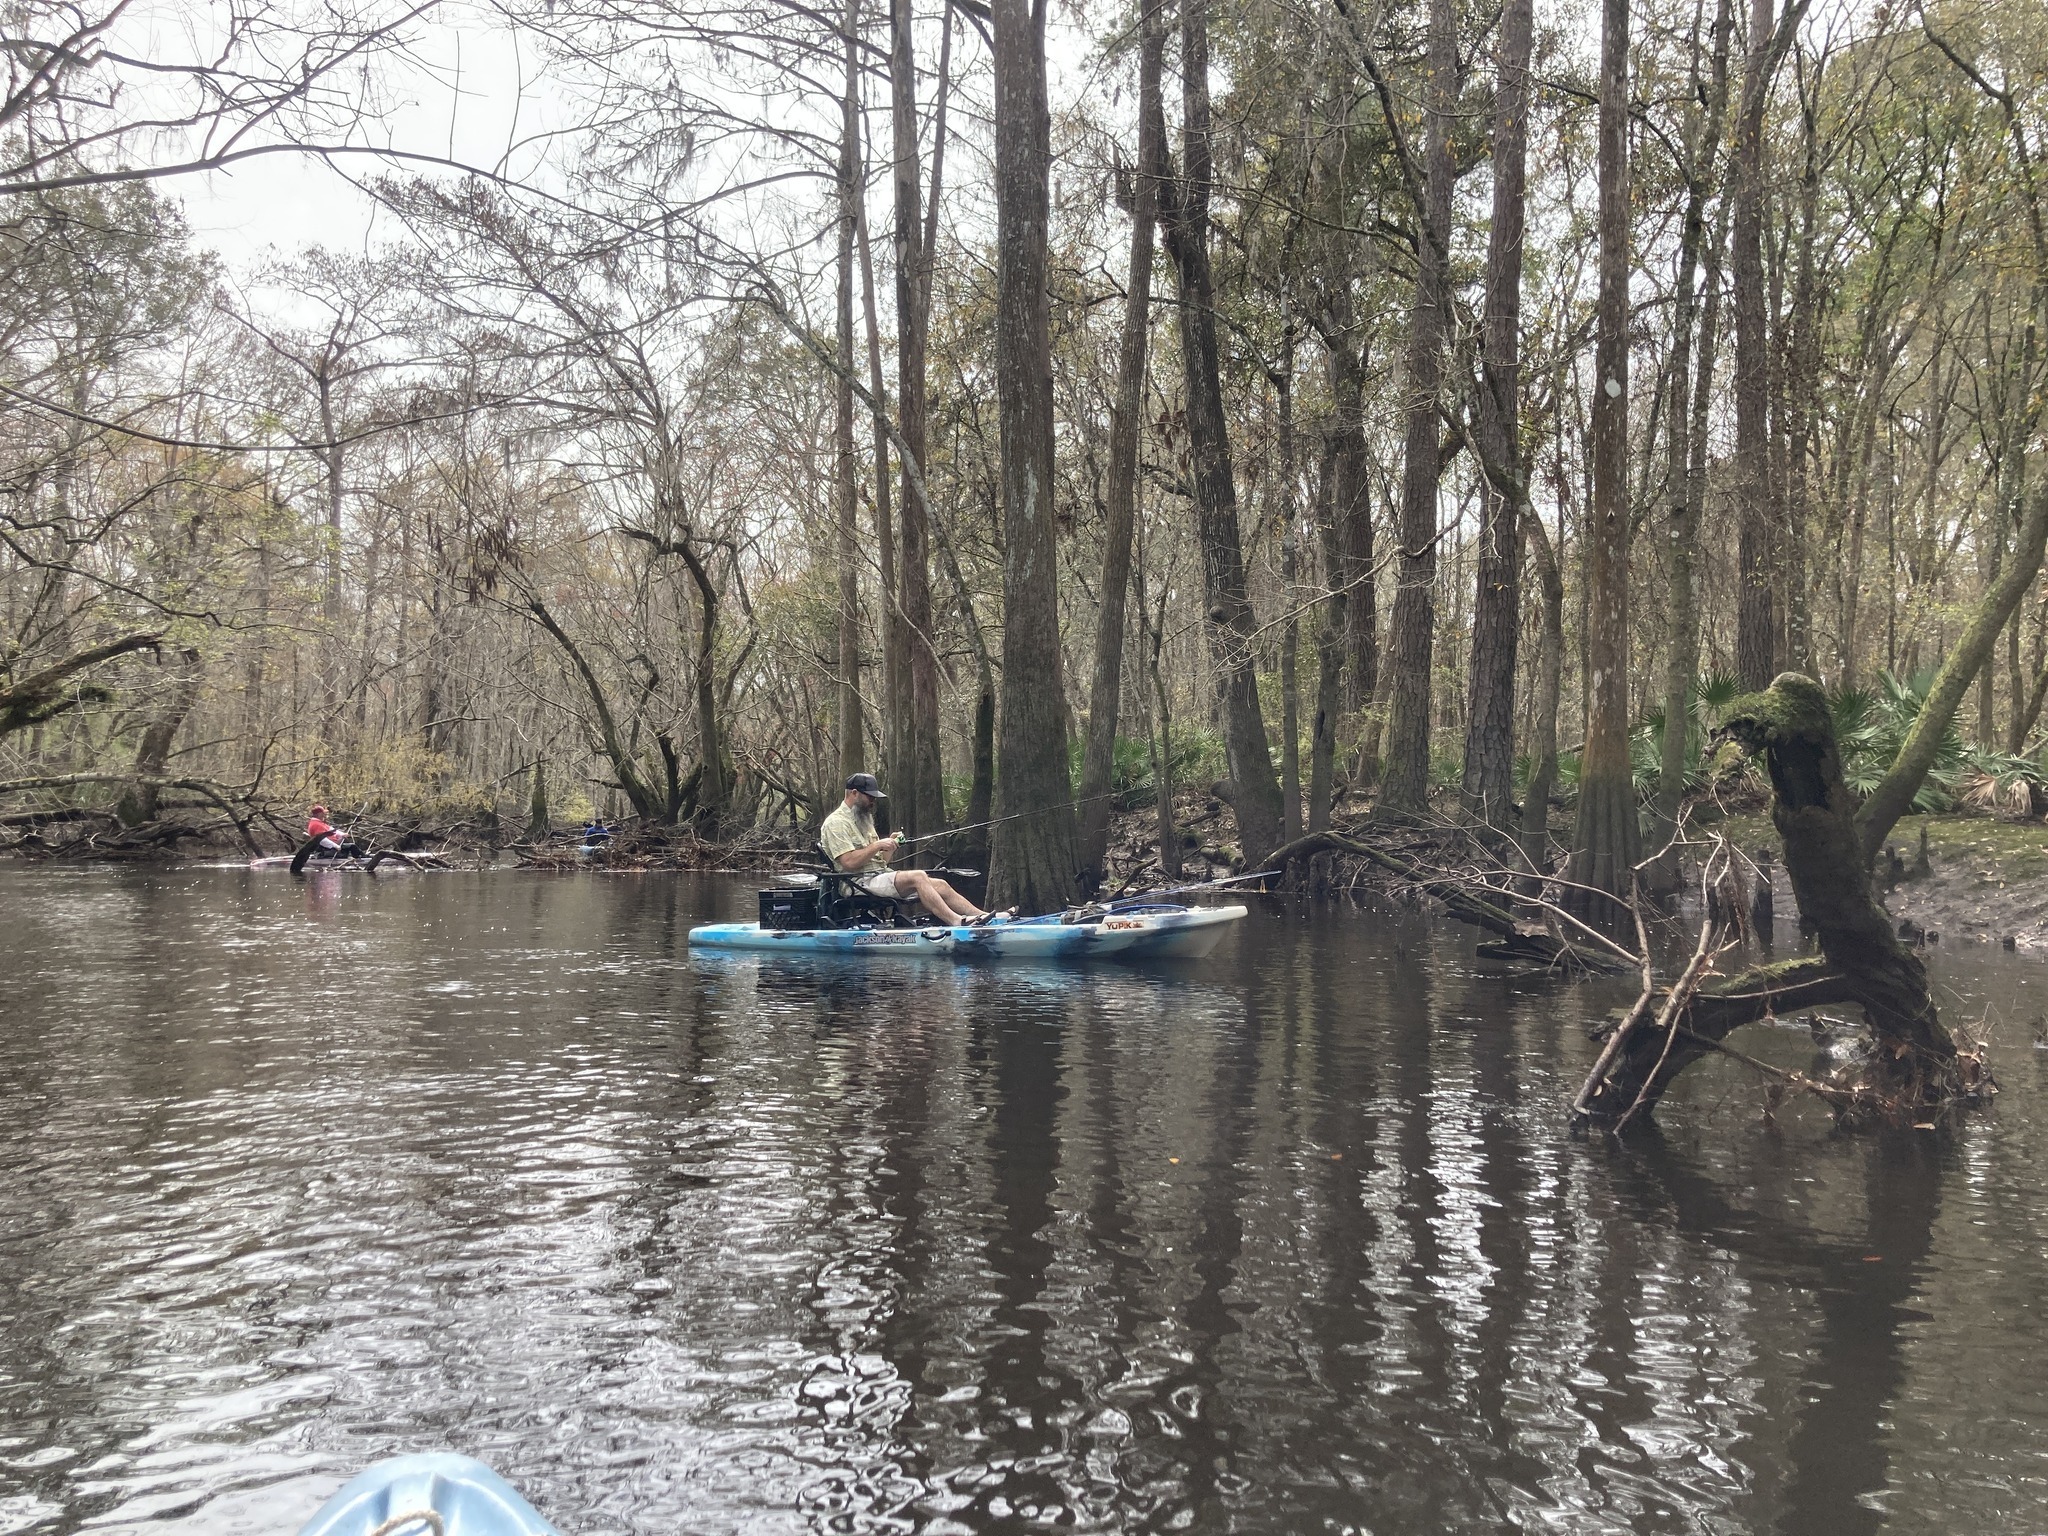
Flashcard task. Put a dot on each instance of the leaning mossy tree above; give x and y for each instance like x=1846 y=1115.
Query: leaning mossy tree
x=1915 y=1068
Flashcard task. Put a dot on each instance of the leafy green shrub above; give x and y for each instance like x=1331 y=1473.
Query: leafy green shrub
x=958 y=789
x=1197 y=758
x=402 y=780
x=1711 y=695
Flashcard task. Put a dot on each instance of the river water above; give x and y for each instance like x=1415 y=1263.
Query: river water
x=299 y=1174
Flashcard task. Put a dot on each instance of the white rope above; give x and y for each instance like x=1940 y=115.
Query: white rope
x=398 y=1523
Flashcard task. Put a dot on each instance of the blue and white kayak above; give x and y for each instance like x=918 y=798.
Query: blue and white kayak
x=1137 y=930
x=1146 y=931
x=906 y=943
x=441 y=1494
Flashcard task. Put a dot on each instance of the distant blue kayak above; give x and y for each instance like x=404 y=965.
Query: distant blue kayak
x=1137 y=933
x=431 y=1495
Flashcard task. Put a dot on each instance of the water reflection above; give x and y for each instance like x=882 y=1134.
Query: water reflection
x=1291 y=1240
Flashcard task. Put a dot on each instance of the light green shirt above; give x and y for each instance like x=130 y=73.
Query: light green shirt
x=847 y=829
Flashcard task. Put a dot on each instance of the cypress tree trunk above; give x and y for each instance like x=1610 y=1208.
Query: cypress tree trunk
x=1353 y=513
x=153 y=752
x=895 y=685
x=919 y=799
x=1034 y=859
x=851 y=734
x=1330 y=643
x=539 y=822
x=1348 y=543
x=1411 y=640
x=895 y=665
x=1106 y=687
x=1543 y=707
x=1253 y=790
x=332 y=462
x=1756 y=624
x=1687 y=468
x=1802 y=386
x=1990 y=558
x=1152 y=636
x=1344 y=510
x=1290 y=637
x=1488 y=786
x=1605 y=841
x=981 y=784
x=715 y=785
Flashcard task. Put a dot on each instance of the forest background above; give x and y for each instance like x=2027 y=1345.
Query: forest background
x=1426 y=404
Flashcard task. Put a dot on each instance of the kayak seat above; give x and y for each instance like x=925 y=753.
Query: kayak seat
x=843 y=904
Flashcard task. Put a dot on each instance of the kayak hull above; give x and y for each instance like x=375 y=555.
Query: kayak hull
x=1186 y=934
x=1042 y=941
x=420 y=858
x=902 y=943
x=1155 y=933
x=448 y=1493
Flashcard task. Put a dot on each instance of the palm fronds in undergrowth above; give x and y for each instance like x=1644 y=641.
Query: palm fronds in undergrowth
x=2000 y=782
x=1871 y=725
x=1712 y=693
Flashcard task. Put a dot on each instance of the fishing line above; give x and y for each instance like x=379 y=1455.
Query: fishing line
x=976 y=826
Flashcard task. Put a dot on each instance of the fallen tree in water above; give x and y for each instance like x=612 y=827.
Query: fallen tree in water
x=1916 y=1068
x=117 y=837
x=1476 y=891
x=318 y=850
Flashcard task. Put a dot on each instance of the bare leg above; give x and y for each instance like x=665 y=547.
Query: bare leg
x=939 y=898
x=961 y=906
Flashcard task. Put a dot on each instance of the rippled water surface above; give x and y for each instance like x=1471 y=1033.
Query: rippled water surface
x=295 y=1175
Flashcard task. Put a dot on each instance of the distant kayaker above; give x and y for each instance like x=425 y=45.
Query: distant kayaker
x=849 y=838
x=334 y=843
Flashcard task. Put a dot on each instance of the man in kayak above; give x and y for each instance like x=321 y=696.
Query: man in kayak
x=849 y=838
x=334 y=844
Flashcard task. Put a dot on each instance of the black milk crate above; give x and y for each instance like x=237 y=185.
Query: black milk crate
x=790 y=908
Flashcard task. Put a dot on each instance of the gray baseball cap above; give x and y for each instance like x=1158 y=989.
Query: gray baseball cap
x=865 y=783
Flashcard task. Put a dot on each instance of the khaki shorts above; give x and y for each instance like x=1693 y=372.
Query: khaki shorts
x=883 y=884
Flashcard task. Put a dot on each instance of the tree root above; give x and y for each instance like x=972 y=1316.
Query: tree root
x=1474 y=900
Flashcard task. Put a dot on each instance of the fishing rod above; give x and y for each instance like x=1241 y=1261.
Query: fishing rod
x=1180 y=890
x=976 y=826
x=1203 y=885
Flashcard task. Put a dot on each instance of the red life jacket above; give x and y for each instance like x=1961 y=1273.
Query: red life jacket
x=315 y=827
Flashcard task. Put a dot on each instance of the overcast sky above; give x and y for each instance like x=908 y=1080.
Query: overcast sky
x=477 y=91
x=472 y=92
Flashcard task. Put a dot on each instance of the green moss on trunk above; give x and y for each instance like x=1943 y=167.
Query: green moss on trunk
x=1861 y=959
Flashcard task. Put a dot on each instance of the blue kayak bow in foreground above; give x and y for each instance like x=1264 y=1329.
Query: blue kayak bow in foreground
x=432 y=1495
